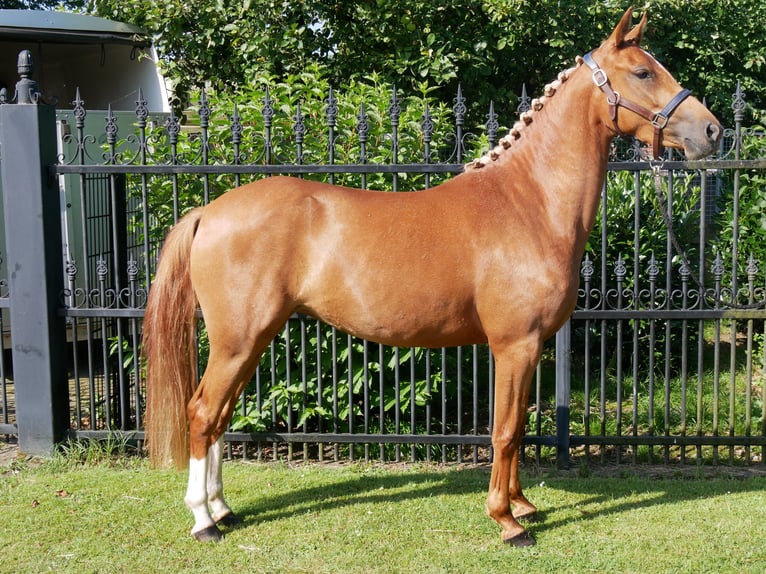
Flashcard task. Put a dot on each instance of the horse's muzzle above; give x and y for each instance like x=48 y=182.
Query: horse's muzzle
x=703 y=145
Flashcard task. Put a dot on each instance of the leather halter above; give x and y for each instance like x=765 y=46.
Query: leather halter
x=658 y=119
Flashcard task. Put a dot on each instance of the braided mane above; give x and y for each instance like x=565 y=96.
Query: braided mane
x=525 y=119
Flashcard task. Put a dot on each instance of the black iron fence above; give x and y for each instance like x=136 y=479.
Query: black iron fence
x=662 y=360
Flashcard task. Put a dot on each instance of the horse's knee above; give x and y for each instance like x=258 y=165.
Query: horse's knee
x=505 y=443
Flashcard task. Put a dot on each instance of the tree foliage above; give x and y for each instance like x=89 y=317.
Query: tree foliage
x=491 y=47
x=36 y=4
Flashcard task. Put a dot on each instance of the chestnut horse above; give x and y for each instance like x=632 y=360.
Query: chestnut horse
x=491 y=255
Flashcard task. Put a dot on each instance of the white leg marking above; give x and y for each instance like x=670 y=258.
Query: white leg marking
x=196 y=494
x=218 y=505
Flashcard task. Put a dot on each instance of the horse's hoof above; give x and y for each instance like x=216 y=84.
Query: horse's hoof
x=530 y=518
x=209 y=534
x=229 y=520
x=521 y=540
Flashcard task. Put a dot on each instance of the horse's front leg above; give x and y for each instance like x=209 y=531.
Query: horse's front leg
x=514 y=366
x=522 y=508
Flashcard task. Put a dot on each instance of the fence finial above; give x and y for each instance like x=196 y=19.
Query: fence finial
x=27 y=91
x=738 y=105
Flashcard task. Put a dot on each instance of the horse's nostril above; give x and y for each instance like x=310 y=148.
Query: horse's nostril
x=713 y=132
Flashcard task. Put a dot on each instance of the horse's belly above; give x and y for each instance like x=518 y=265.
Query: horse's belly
x=413 y=323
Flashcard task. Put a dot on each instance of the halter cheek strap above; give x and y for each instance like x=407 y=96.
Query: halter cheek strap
x=658 y=119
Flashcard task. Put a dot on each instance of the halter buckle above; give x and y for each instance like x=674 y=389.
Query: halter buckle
x=660 y=120
x=599 y=77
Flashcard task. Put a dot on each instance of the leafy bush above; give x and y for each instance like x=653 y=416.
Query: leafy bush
x=627 y=260
x=748 y=210
x=365 y=128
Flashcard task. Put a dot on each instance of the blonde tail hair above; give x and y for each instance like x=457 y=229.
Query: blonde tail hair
x=169 y=348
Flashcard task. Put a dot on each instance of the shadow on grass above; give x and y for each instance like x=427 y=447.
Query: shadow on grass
x=598 y=496
x=604 y=497
x=362 y=489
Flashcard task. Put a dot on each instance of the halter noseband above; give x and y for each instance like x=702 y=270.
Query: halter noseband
x=659 y=119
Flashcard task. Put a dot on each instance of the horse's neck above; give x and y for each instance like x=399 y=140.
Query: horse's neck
x=560 y=159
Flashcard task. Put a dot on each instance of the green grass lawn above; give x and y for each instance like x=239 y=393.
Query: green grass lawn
x=121 y=516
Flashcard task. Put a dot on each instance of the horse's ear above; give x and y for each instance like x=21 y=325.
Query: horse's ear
x=636 y=34
x=623 y=34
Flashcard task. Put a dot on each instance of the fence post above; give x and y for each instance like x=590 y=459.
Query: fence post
x=35 y=276
x=563 y=393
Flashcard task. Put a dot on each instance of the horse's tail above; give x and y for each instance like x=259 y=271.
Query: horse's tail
x=169 y=349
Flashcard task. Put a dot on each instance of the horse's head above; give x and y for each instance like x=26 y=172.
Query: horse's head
x=655 y=108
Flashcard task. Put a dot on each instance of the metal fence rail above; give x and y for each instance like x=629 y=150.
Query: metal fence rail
x=651 y=367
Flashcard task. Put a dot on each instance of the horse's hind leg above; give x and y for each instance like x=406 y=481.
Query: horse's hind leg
x=219 y=510
x=204 y=528
x=210 y=510
x=209 y=412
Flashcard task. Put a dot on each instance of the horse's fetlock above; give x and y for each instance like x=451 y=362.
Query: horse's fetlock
x=193 y=502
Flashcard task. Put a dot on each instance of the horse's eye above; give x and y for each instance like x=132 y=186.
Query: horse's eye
x=643 y=74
